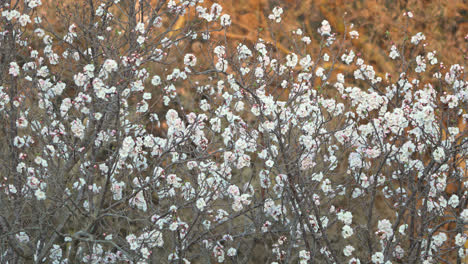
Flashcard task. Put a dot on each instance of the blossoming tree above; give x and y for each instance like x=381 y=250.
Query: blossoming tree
x=120 y=145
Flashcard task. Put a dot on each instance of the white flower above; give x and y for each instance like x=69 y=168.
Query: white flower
x=55 y=252
x=319 y=72
x=345 y=217
x=140 y=40
x=24 y=20
x=117 y=188
x=304 y=255
x=348 y=250
x=348 y=58
x=220 y=51
x=439 y=154
x=40 y=195
x=439 y=239
x=225 y=20
x=233 y=190
x=460 y=239
x=140 y=27
x=201 y=204
x=232 y=252
x=22 y=237
x=269 y=163
x=132 y=241
x=14 y=69
x=431 y=57
x=11 y=189
x=291 y=60
x=127 y=145
x=155 y=238
x=354 y=34
x=326 y=57
x=378 y=258
x=454 y=201
x=259 y=72
x=156 y=80
x=276 y=15
x=147 y=96
x=173 y=180
x=239 y=106
x=417 y=38
x=145 y=252
x=142 y=107
x=33 y=182
x=19 y=142
x=306 y=40
x=243 y=52
x=306 y=62
x=464 y=215
x=221 y=65
x=110 y=65
x=325 y=29
x=385 y=229
x=139 y=201
x=402 y=229
x=78 y=128
x=173 y=226
x=347 y=231
x=394 y=53
x=100 y=10
x=33 y=3
x=215 y=10
x=190 y=59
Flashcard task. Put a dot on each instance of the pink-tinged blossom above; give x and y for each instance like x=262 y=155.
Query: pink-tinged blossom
x=385 y=229
x=110 y=65
x=304 y=256
x=117 y=190
x=354 y=34
x=139 y=201
x=78 y=128
x=22 y=122
x=14 y=69
x=33 y=182
x=190 y=59
x=325 y=29
x=416 y=39
x=233 y=191
x=348 y=250
x=409 y=14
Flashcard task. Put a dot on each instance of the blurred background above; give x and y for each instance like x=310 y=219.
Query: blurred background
x=379 y=22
